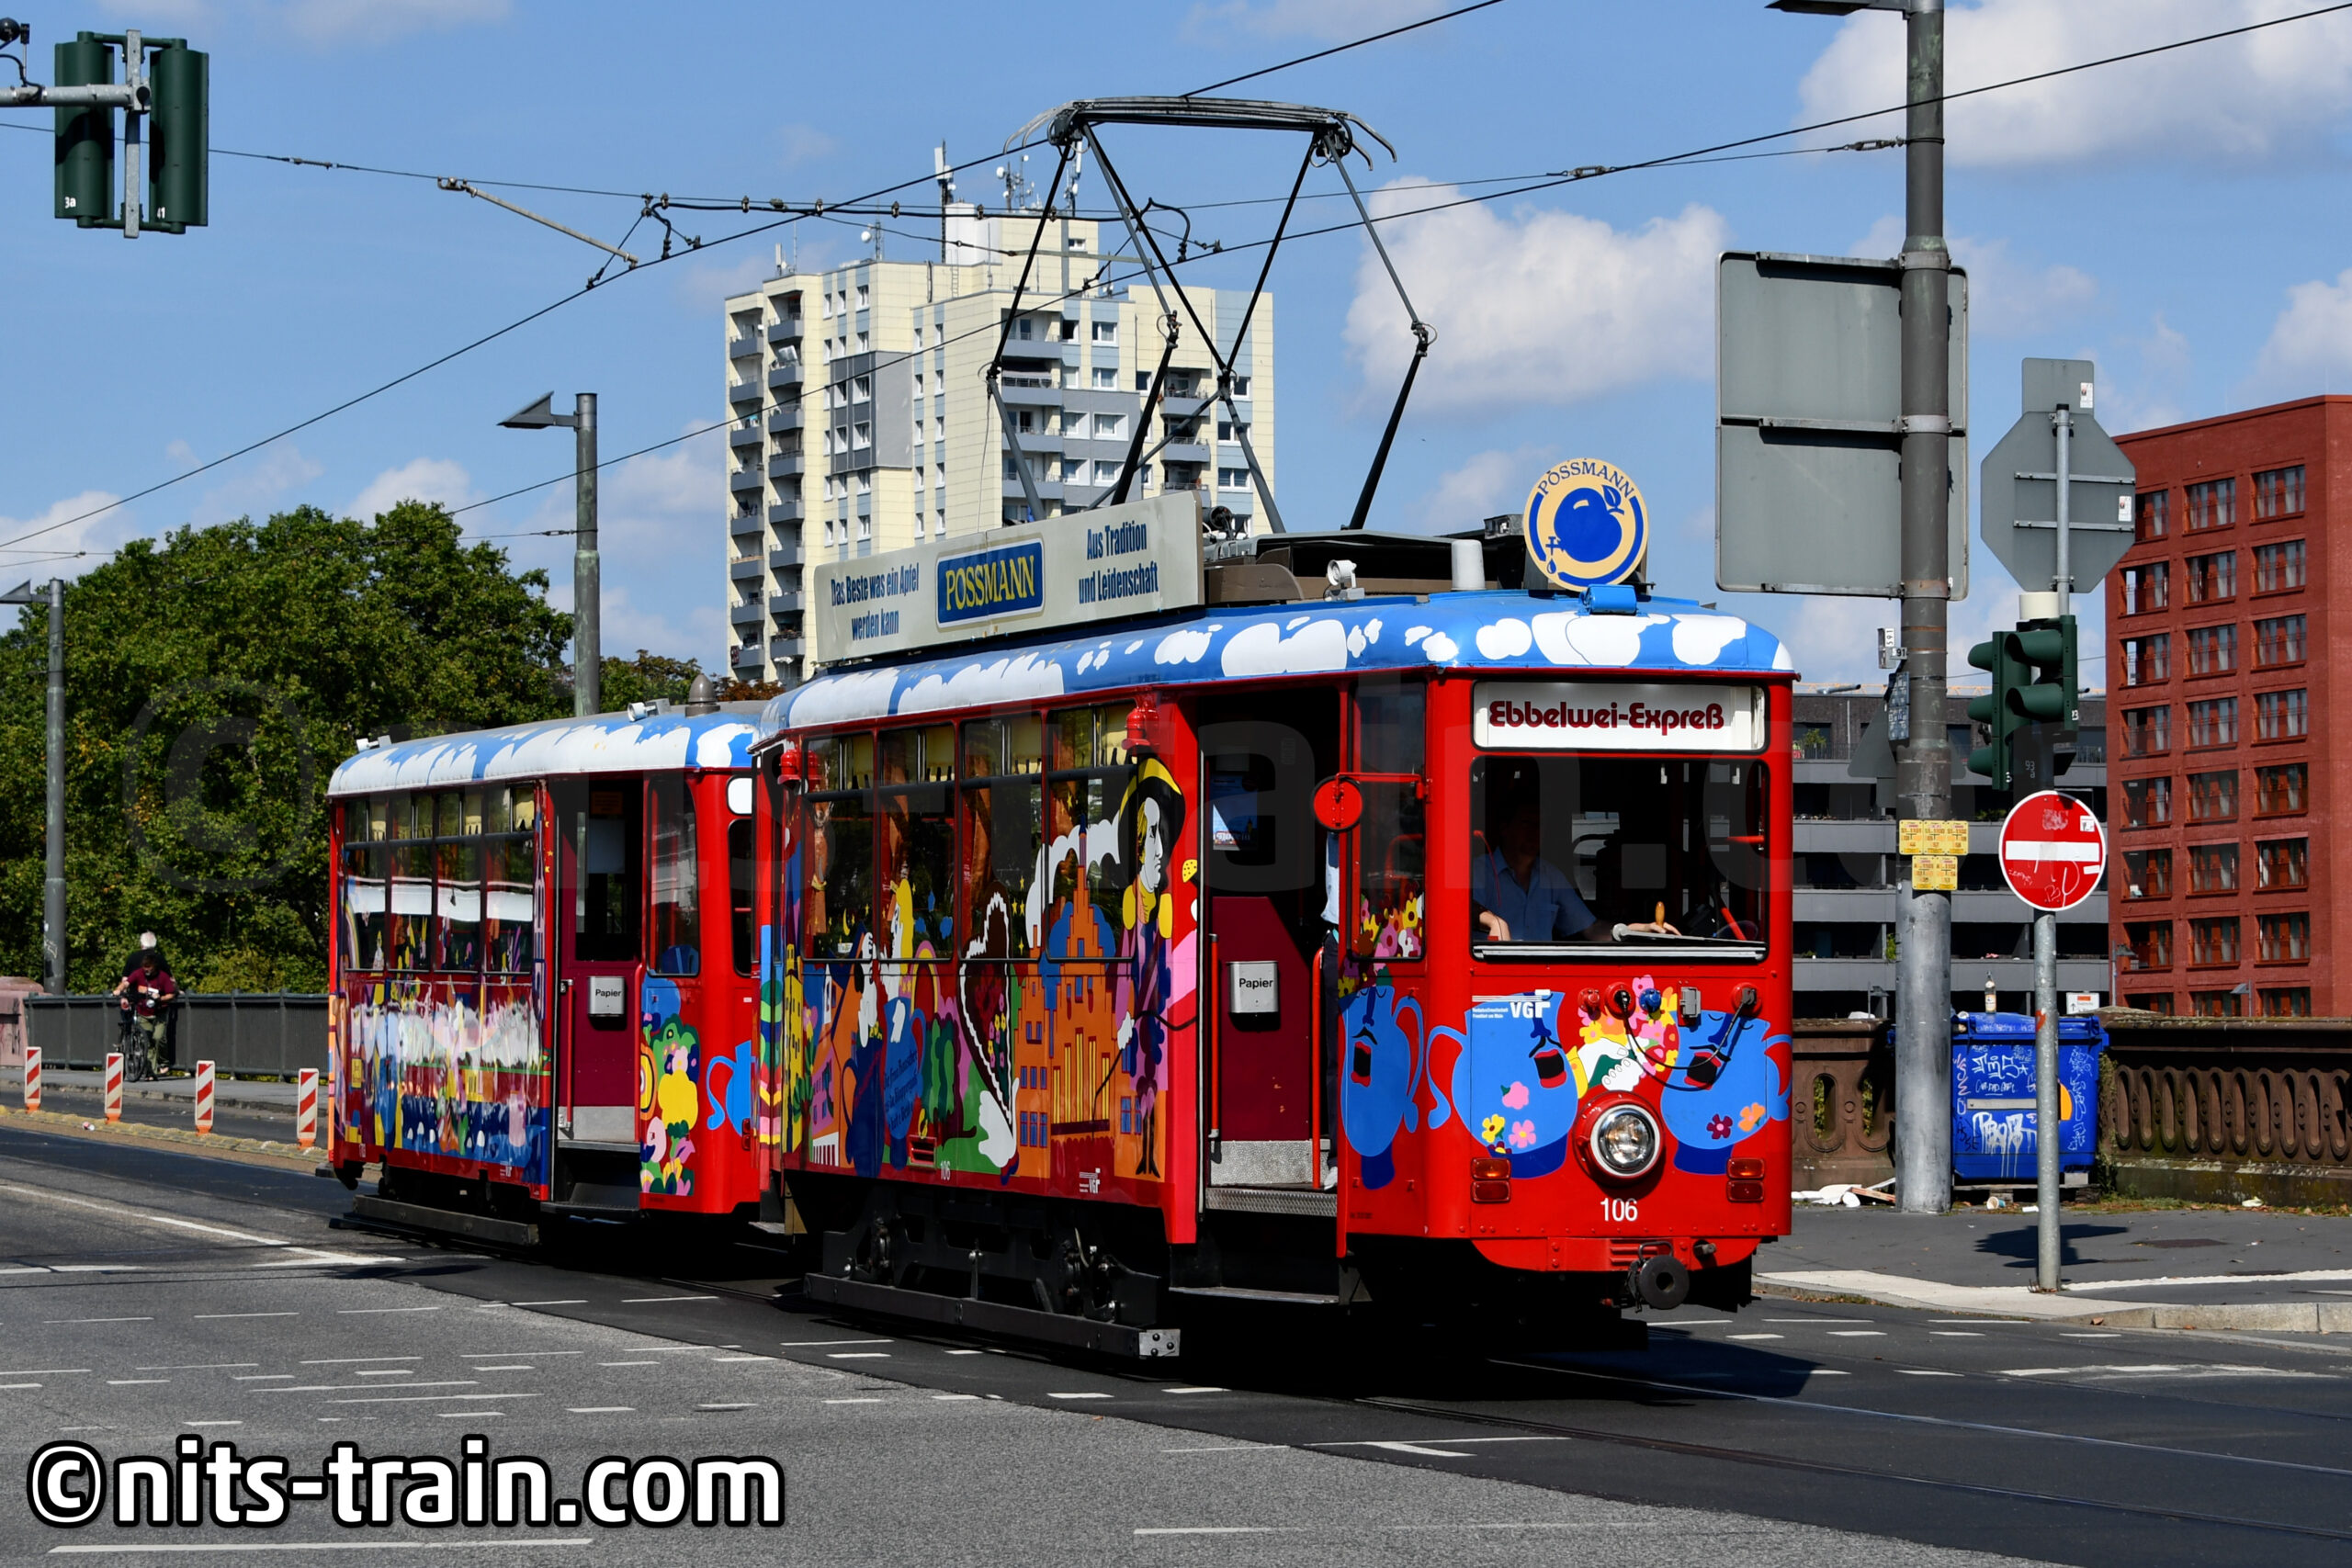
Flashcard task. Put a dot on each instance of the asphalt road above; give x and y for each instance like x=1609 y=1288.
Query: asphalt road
x=145 y=1295
x=228 y=1119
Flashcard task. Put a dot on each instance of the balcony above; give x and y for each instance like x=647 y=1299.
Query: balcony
x=1185 y=408
x=785 y=416
x=740 y=392
x=746 y=614
x=786 y=602
x=747 y=657
x=1031 y=391
x=743 y=436
x=1047 y=489
x=743 y=480
x=1039 y=440
x=781 y=512
x=784 y=374
x=1184 y=452
x=786 y=647
x=785 y=555
x=745 y=525
x=744 y=348
x=784 y=329
x=786 y=465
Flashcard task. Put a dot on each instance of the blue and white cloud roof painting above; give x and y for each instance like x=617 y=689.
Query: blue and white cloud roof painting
x=608 y=743
x=1499 y=630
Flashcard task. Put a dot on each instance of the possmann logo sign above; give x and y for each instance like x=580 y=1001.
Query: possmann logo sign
x=1007 y=580
x=1612 y=716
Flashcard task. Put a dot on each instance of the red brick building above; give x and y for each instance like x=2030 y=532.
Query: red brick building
x=2225 y=770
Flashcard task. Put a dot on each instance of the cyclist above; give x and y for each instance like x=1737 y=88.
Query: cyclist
x=147 y=990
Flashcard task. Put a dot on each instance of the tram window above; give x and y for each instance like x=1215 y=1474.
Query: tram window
x=611 y=860
x=458 y=905
x=838 y=869
x=918 y=841
x=1003 y=831
x=1083 y=798
x=510 y=902
x=363 y=905
x=1568 y=849
x=409 y=935
x=677 y=884
x=742 y=886
x=1392 y=839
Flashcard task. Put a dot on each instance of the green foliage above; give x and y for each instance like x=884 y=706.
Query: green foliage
x=644 y=678
x=213 y=682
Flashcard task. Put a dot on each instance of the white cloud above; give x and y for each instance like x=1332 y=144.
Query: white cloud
x=702 y=287
x=803 y=144
x=2263 y=95
x=1536 y=306
x=248 y=489
x=1333 y=19
x=420 y=478
x=48 y=543
x=1486 y=485
x=2006 y=297
x=2309 y=343
x=2150 y=396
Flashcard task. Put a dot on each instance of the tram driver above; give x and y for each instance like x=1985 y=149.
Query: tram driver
x=1518 y=895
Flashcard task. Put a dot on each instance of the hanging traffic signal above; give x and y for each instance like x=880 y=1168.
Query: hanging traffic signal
x=2034 y=702
x=84 y=134
x=179 y=181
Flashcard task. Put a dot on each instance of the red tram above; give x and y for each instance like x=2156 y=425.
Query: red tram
x=1404 y=943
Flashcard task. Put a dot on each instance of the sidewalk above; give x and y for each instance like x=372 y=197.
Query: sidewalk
x=2242 y=1268
x=245 y=1093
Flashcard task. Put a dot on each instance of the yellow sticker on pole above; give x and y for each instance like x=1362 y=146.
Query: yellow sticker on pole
x=1920 y=836
x=1935 y=873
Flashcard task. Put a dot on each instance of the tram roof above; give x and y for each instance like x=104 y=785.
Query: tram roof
x=1501 y=630
x=605 y=743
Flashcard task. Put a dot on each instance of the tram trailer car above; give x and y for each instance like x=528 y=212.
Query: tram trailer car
x=545 y=974
x=1174 y=960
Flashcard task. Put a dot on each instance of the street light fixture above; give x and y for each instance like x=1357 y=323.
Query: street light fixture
x=587 y=639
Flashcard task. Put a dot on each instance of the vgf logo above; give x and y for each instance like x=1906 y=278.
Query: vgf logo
x=1587 y=525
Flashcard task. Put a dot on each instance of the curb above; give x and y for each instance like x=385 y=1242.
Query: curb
x=2271 y=1317
x=268 y=1151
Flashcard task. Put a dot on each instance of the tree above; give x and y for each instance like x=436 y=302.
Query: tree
x=213 y=682
x=647 y=678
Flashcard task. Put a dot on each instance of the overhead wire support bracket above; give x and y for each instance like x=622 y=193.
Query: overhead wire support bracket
x=1423 y=336
x=468 y=188
x=993 y=372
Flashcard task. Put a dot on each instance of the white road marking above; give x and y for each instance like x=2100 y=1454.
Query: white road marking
x=395 y=1372
x=859 y=1356
x=507 y=1368
x=1078 y=1396
x=97 y=1267
x=963 y=1352
x=601 y=1410
x=353 y=1361
x=629 y=1363
x=8 y=1385
x=566 y=1301
x=493 y=1355
x=720 y=1359
x=1200 y=1390
x=212 y=1423
x=133 y=1382
x=2159 y=1369
x=267 y=1377
x=1952 y=1334
x=425 y=1398
x=747 y=1407
x=643 y=1301
x=466 y=1414
x=818 y=1343
x=1820 y=1320
x=1415 y=1448
x=369 y=1312
x=64 y=1322
x=2101 y=1334
x=140 y=1217
x=1758 y=1336
x=49 y=1371
x=1920 y=1372
x=1235 y=1448
x=852 y=1402
x=319 y=1546
x=208 y=1316
x=1857 y=1333
x=941 y=1396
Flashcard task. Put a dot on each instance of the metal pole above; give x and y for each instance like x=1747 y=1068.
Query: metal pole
x=1923 y=764
x=52 y=919
x=2063 y=580
x=587 y=633
x=2045 y=1096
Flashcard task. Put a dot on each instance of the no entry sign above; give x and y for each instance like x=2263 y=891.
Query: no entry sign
x=2052 y=851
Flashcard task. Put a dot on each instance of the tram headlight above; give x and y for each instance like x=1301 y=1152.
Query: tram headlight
x=1624 y=1141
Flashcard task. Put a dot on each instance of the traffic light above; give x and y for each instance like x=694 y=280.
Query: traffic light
x=178 y=181
x=84 y=134
x=2034 y=685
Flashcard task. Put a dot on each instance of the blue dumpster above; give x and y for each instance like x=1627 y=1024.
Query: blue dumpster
x=1993 y=1120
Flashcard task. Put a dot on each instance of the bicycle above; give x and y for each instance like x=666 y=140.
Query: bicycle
x=136 y=1065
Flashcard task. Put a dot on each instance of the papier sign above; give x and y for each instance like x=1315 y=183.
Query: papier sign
x=1560 y=715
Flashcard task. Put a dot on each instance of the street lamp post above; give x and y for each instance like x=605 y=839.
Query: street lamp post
x=587 y=638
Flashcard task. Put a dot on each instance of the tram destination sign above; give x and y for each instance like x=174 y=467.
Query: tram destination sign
x=1081 y=568
x=1601 y=716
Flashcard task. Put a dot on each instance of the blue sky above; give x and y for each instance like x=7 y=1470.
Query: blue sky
x=2175 y=219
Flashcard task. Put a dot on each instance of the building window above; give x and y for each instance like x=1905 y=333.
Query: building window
x=1109 y=425
x=2147 y=588
x=2150 y=943
x=1103 y=331
x=2213 y=939
x=1106 y=472
x=2278 y=492
x=2214 y=797
x=864 y=479
x=2289 y=1002
x=2279 y=641
x=861 y=437
x=2150 y=515
x=2278 y=568
x=862 y=389
x=863 y=297
x=2149 y=1001
x=1067 y=331
x=2282 y=863
x=2147 y=874
x=2147 y=660
x=2283 y=791
x=2212 y=504
x=2213 y=868
x=1071 y=470
x=1241 y=386
x=2147 y=732
x=2213 y=578
x=2214 y=722
x=2212 y=650
x=2217 y=1004
x=2286 y=939
x=2147 y=803
x=1233 y=479
x=2282 y=716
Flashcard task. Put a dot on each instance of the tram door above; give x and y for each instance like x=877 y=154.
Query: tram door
x=1263 y=870
x=601 y=823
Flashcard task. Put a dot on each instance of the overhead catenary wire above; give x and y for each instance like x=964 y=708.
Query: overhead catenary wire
x=1709 y=154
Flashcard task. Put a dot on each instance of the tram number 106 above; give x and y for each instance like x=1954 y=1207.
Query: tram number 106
x=1620 y=1210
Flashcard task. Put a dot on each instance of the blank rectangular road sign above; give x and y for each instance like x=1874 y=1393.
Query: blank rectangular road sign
x=1808 y=451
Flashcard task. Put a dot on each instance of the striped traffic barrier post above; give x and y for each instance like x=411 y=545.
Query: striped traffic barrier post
x=32 y=1077
x=114 y=1085
x=204 y=1097
x=306 y=1107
